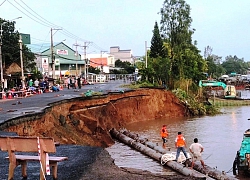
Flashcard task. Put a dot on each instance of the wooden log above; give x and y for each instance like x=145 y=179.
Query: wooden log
x=155 y=155
x=211 y=172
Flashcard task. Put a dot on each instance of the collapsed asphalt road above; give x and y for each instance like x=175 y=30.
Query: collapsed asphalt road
x=11 y=108
x=84 y=162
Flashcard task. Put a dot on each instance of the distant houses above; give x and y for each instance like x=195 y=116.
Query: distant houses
x=69 y=62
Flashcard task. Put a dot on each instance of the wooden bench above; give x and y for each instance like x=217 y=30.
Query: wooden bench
x=14 y=144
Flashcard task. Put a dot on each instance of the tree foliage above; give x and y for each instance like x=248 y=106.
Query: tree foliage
x=127 y=67
x=91 y=69
x=157 y=48
x=181 y=61
x=217 y=67
x=175 y=24
x=11 y=48
x=214 y=67
x=184 y=60
x=236 y=65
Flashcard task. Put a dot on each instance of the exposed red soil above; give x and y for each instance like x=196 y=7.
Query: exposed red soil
x=87 y=121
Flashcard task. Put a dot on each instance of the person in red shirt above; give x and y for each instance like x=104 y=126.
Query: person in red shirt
x=164 y=135
x=180 y=144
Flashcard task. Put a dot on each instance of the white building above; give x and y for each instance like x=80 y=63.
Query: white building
x=123 y=55
x=101 y=61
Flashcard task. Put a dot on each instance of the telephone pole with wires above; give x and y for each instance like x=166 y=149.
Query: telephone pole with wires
x=86 y=44
x=76 y=55
x=102 y=52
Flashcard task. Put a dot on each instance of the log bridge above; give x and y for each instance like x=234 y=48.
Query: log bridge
x=156 y=152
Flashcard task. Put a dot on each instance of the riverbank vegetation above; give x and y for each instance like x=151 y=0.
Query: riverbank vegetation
x=173 y=55
x=194 y=103
x=175 y=63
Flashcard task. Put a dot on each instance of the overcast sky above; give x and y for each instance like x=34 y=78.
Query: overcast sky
x=221 y=24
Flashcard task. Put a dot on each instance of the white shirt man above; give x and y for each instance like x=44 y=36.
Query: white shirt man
x=36 y=83
x=196 y=149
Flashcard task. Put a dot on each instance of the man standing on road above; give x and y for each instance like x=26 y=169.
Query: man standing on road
x=196 y=149
x=69 y=82
x=79 y=82
x=36 y=83
x=180 y=144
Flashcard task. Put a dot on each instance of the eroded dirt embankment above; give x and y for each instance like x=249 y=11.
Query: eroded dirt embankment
x=87 y=121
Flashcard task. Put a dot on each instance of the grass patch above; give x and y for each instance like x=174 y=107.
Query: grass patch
x=137 y=85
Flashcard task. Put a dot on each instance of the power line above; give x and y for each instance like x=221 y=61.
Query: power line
x=2 y=3
x=38 y=14
x=28 y=15
x=40 y=40
x=39 y=19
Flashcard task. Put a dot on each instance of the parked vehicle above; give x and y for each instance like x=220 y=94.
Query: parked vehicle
x=229 y=90
x=223 y=78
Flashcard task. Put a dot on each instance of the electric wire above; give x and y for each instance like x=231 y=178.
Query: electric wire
x=29 y=12
x=37 y=17
x=43 y=20
x=2 y=3
x=40 y=40
x=28 y=15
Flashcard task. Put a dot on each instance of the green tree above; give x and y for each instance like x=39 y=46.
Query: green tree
x=215 y=69
x=91 y=69
x=157 y=48
x=194 y=64
x=234 y=64
x=127 y=67
x=185 y=60
x=11 y=48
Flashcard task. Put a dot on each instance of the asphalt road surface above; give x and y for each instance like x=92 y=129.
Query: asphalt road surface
x=81 y=159
x=11 y=108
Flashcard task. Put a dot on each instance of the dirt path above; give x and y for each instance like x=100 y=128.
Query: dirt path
x=105 y=169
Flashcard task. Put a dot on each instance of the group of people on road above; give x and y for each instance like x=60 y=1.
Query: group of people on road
x=42 y=85
x=73 y=82
x=195 y=148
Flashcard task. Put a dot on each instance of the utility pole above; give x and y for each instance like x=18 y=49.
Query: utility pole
x=101 y=60
x=146 y=55
x=52 y=53
x=86 y=44
x=76 y=55
x=21 y=60
x=1 y=59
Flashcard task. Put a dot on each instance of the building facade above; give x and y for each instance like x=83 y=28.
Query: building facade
x=123 y=55
x=101 y=61
x=67 y=61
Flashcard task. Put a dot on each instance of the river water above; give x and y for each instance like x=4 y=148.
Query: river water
x=220 y=135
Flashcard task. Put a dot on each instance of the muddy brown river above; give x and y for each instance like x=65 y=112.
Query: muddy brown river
x=220 y=135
